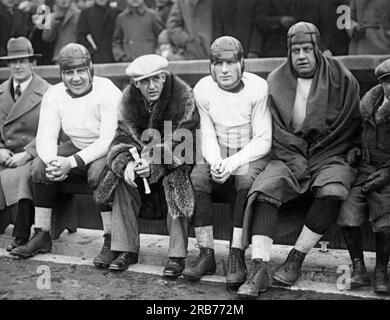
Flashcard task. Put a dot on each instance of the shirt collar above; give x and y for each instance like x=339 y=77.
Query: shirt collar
x=140 y=10
x=23 y=85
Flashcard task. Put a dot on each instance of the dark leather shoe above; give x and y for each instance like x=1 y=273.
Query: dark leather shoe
x=123 y=261
x=381 y=285
x=174 y=267
x=289 y=271
x=359 y=276
x=204 y=265
x=236 y=272
x=257 y=280
x=39 y=243
x=106 y=256
x=16 y=243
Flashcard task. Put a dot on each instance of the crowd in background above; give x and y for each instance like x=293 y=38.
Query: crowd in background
x=122 y=30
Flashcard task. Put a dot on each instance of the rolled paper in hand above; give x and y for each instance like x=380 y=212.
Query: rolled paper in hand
x=137 y=159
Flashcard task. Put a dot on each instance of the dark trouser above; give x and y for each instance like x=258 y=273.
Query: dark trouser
x=206 y=190
x=24 y=219
x=45 y=191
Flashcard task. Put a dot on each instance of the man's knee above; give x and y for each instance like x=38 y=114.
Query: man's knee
x=38 y=171
x=244 y=182
x=333 y=190
x=201 y=178
x=95 y=171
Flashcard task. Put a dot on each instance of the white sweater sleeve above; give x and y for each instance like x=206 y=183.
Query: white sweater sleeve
x=48 y=128
x=261 y=142
x=210 y=147
x=109 y=122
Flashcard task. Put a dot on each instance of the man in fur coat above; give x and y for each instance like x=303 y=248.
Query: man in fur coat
x=314 y=101
x=371 y=191
x=159 y=118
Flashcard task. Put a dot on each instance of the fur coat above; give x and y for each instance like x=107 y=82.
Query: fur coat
x=149 y=132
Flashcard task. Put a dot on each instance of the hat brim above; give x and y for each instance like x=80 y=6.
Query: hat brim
x=147 y=75
x=22 y=56
x=383 y=76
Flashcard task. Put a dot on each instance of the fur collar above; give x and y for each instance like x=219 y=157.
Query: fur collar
x=370 y=102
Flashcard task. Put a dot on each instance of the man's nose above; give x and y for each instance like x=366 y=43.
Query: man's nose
x=301 y=55
x=224 y=67
x=151 y=84
x=76 y=76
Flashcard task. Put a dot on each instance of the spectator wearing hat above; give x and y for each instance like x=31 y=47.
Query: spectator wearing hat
x=136 y=31
x=63 y=26
x=370 y=194
x=95 y=29
x=370 y=27
x=20 y=102
x=190 y=27
x=157 y=112
x=85 y=108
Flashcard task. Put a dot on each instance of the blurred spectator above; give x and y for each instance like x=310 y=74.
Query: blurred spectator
x=95 y=30
x=63 y=28
x=122 y=4
x=167 y=50
x=13 y=23
x=136 y=31
x=164 y=7
x=370 y=28
x=84 y=4
x=236 y=18
x=334 y=39
x=190 y=27
x=275 y=17
x=38 y=16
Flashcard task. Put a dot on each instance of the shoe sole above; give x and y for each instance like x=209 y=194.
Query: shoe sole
x=25 y=256
x=171 y=276
x=193 y=278
x=250 y=295
x=282 y=281
x=101 y=265
x=234 y=285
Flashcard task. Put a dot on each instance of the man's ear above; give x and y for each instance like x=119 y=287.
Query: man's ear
x=136 y=83
x=163 y=76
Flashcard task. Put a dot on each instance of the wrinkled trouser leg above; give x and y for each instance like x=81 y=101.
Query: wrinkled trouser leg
x=178 y=237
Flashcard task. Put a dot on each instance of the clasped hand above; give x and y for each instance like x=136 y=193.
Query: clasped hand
x=133 y=169
x=221 y=171
x=58 y=169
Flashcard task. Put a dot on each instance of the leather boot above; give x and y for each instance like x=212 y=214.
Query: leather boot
x=204 y=265
x=39 y=243
x=16 y=243
x=106 y=256
x=236 y=272
x=174 y=267
x=123 y=261
x=289 y=271
x=257 y=280
x=381 y=280
x=359 y=276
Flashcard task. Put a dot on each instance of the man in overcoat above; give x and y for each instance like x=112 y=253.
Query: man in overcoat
x=159 y=118
x=20 y=102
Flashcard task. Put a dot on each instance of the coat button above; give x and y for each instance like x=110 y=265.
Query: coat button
x=9 y=141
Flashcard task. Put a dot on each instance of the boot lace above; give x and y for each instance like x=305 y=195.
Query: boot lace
x=233 y=257
x=289 y=262
x=256 y=267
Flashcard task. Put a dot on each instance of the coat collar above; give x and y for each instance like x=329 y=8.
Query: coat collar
x=30 y=98
x=370 y=102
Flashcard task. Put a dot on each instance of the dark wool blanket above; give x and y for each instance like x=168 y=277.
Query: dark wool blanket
x=145 y=130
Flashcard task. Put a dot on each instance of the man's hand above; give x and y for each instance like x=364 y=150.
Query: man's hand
x=287 y=21
x=5 y=154
x=142 y=169
x=353 y=156
x=129 y=174
x=18 y=159
x=376 y=180
x=58 y=169
x=220 y=173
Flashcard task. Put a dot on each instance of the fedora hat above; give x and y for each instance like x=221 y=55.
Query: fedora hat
x=19 y=48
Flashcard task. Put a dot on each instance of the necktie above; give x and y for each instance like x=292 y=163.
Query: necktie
x=18 y=92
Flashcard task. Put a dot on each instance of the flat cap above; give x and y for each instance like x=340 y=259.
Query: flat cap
x=146 y=66
x=383 y=70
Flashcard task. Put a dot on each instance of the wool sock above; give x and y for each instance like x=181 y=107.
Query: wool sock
x=43 y=218
x=106 y=219
x=204 y=236
x=307 y=240
x=261 y=247
x=236 y=239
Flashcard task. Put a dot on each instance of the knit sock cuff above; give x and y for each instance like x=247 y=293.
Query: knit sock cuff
x=204 y=236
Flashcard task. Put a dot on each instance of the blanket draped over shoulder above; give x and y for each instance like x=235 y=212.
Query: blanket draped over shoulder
x=158 y=135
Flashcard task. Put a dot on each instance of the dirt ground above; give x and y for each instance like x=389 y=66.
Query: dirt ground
x=24 y=279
